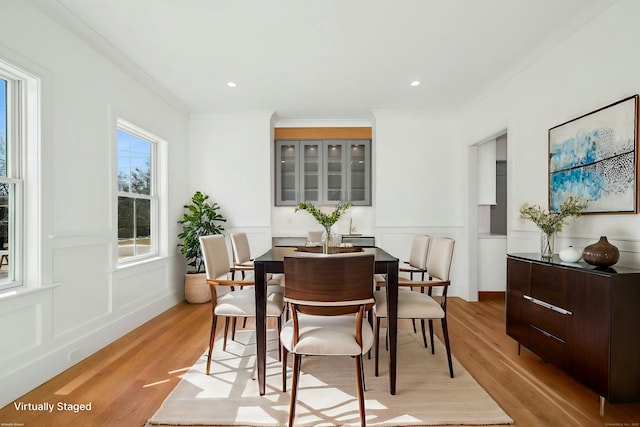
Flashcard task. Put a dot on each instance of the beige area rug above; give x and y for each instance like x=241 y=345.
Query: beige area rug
x=425 y=394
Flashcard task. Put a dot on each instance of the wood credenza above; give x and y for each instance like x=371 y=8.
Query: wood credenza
x=583 y=319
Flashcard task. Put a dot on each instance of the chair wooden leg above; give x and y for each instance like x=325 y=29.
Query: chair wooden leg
x=413 y=322
x=370 y=319
x=233 y=328
x=212 y=338
x=279 y=327
x=294 y=388
x=424 y=335
x=364 y=384
x=433 y=349
x=285 y=355
x=226 y=331
x=376 y=345
x=445 y=333
x=360 y=381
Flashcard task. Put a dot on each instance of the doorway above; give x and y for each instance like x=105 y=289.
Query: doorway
x=489 y=205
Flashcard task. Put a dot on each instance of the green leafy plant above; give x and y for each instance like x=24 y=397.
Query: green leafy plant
x=551 y=222
x=324 y=219
x=201 y=219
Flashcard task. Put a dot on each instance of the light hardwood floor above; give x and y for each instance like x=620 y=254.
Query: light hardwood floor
x=128 y=380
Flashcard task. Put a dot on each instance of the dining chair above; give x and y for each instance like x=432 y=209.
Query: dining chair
x=322 y=293
x=242 y=260
x=231 y=298
x=243 y=263
x=314 y=237
x=417 y=264
x=419 y=305
x=417 y=261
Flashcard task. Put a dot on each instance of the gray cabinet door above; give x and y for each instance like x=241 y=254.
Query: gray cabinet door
x=359 y=172
x=311 y=176
x=335 y=175
x=287 y=173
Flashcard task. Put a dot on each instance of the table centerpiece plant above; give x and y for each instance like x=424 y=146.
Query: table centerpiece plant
x=549 y=222
x=325 y=220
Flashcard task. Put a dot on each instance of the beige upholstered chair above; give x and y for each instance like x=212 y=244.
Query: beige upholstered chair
x=226 y=298
x=314 y=237
x=322 y=293
x=418 y=305
x=417 y=261
x=241 y=252
x=242 y=260
x=417 y=264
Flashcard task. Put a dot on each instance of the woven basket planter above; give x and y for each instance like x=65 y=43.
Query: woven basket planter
x=196 y=289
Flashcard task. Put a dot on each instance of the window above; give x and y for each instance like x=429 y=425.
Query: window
x=10 y=179
x=137 y=193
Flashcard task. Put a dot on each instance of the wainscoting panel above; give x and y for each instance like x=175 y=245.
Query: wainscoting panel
x=21 y=330
x=84 y=292
x=132 y=287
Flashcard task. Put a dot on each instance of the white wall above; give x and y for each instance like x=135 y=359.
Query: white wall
x=592 y=68
x=418 y=186
x=82 y=301
x=231 y=160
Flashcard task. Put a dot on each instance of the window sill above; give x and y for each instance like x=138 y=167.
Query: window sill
x=139 y=262
x=20 y=291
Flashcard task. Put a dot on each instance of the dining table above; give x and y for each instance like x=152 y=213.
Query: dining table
x=272 y=261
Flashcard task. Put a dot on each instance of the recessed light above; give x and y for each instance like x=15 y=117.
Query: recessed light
x=232 y=84
x=415 y=83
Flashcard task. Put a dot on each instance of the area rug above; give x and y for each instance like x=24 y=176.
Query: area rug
x=425 y=394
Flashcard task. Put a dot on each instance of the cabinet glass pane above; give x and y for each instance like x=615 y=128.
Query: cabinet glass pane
x=335 y=170
x=288 y=172
x=358 y=170
x=311 y=178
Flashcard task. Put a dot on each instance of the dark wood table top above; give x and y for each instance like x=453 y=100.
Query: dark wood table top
x=277 y=254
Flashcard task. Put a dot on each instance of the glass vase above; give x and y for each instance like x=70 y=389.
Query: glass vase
x=547 y=241
x=328 y=240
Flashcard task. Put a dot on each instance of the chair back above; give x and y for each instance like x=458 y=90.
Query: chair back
x=419 y=252
x=329 y=285
x=440 y=257
x=314 y=237
x=215 y=256
x=240 y=248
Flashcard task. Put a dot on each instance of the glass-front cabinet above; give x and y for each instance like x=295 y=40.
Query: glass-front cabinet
x=298 y=172
x=323 y=171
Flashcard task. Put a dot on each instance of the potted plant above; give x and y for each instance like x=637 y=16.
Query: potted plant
x=200 y=219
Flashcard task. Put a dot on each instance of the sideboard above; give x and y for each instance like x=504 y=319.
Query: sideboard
x=583 y=319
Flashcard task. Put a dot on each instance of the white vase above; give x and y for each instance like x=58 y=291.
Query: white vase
x=570 y=254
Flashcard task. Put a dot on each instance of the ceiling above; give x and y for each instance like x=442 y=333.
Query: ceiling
x=324 y=59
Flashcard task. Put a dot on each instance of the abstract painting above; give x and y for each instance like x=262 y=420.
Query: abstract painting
x=594 y=157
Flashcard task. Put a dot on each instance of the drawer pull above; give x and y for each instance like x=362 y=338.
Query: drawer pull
x=547 y=305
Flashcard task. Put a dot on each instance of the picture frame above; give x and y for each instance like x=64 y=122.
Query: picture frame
x=595 y=157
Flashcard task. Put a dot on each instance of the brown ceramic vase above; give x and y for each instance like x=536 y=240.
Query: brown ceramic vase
x=601 y=254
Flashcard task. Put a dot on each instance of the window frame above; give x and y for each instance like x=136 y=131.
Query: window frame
x=16 y=99
x=156 y=144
